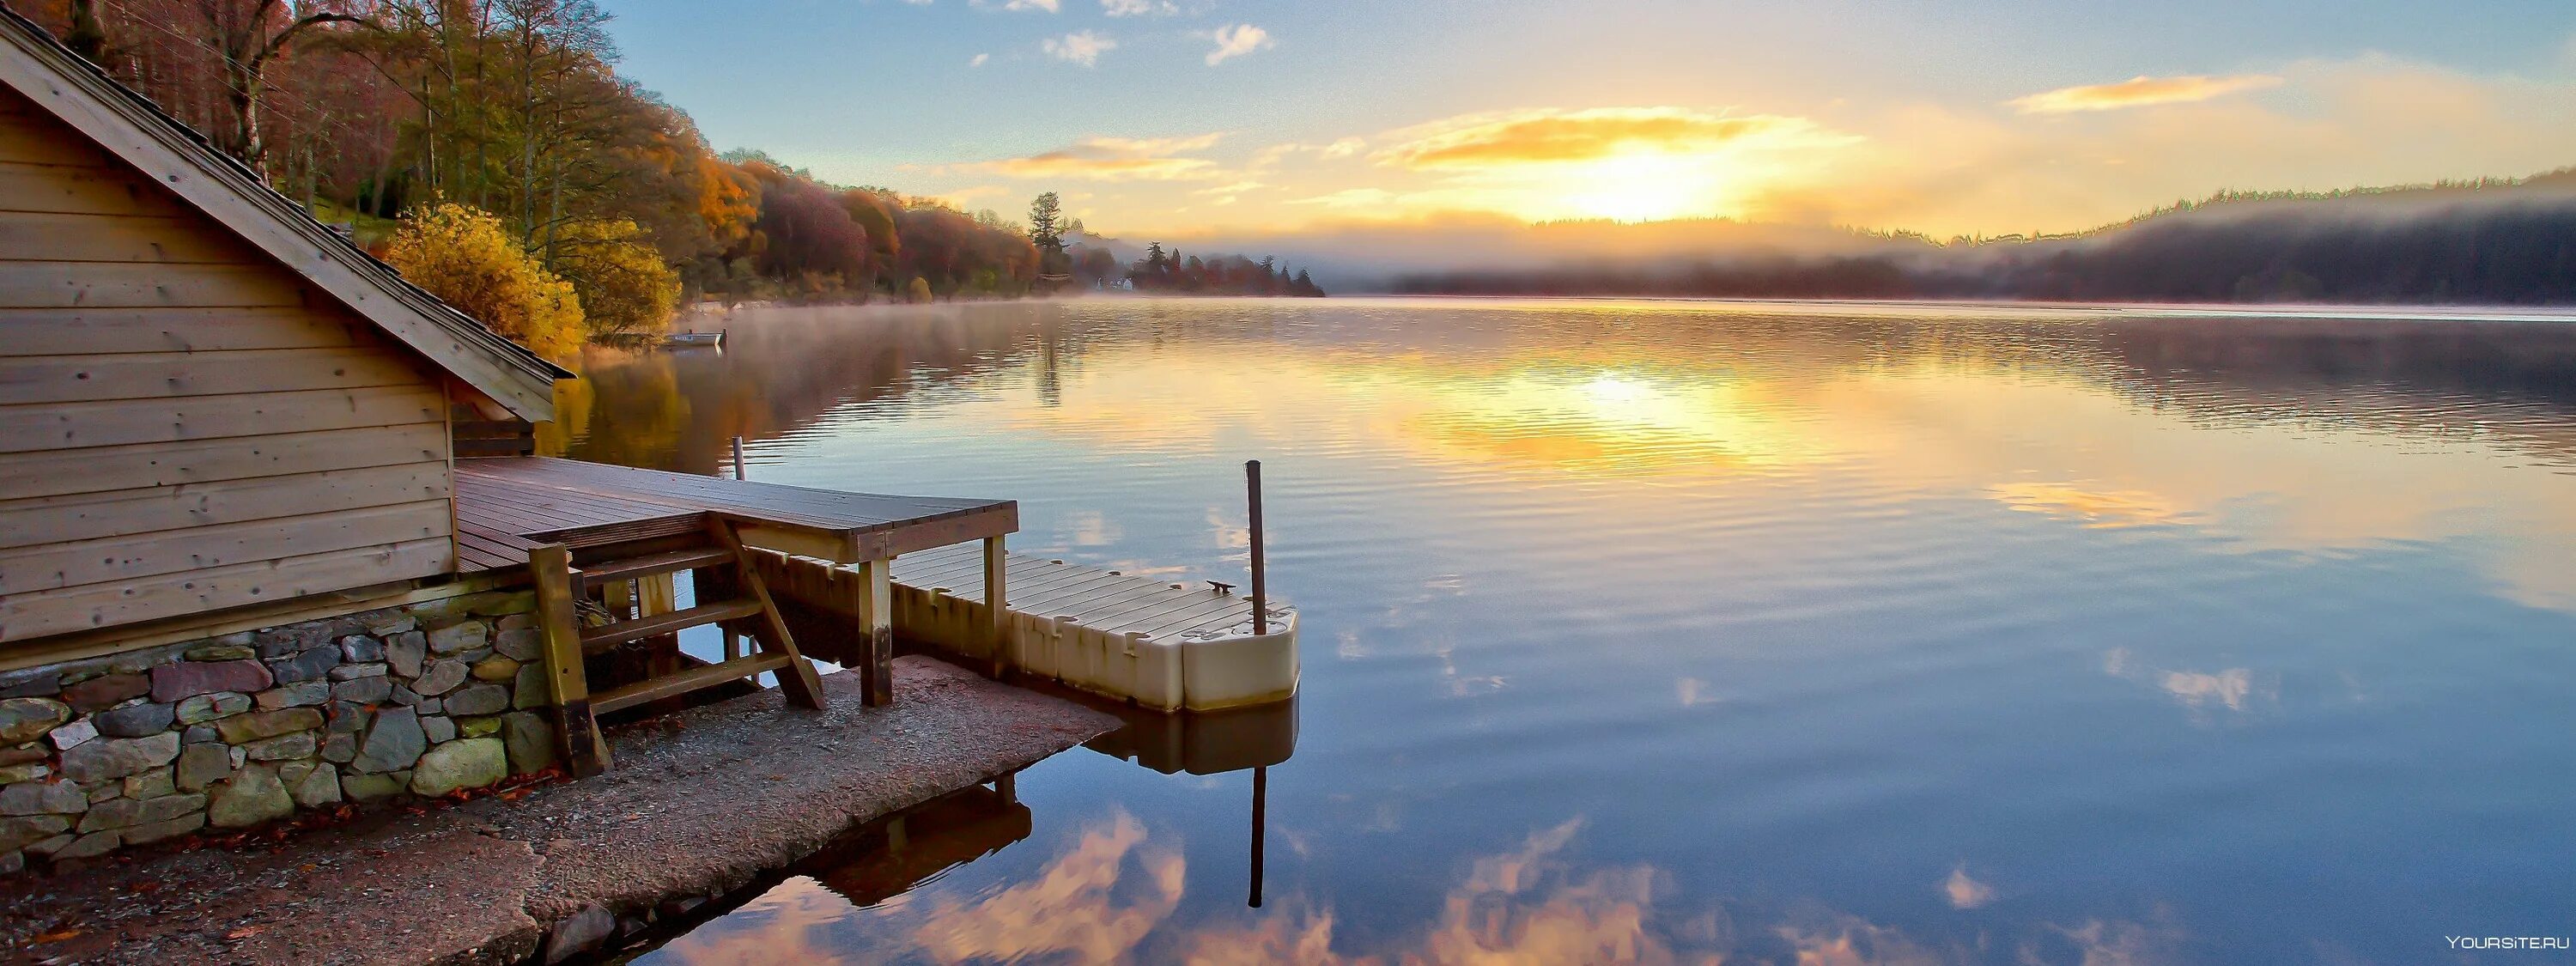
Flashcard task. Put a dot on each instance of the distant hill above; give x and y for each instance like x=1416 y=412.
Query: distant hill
x=2495 y=242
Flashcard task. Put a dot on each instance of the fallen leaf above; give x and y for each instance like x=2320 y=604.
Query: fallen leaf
x=245 y=932
x=57 y=935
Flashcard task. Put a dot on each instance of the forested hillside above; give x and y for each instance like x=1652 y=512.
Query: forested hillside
x=2502 y=242
x=511 y=117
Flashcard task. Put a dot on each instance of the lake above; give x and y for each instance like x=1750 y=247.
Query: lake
x=1672 y=631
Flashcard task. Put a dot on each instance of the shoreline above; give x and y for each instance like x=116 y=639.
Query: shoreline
x=704 y=803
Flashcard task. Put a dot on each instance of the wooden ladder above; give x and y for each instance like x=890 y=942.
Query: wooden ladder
x=722 y=568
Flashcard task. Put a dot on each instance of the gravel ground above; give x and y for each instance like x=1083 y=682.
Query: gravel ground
x=698 y=805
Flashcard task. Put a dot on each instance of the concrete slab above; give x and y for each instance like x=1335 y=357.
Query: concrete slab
x=694 y=810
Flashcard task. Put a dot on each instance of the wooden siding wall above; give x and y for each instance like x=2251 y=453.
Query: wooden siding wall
x=184 y=425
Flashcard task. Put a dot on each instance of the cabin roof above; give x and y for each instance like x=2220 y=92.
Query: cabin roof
x=130 y=126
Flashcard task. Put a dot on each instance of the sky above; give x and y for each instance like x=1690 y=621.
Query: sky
x=1196 y=118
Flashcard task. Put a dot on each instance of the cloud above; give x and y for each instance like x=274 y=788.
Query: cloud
x=1079 y=47
x=1236 y=40
x=979 y=60
x=1111 y=159
x=1350 y=198
x=2142 y=91
x=1964 y=892
x=1139 y=8
x=1558 y=136
x=1049 y=6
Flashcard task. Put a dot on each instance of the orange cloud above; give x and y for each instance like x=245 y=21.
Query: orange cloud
x=1558 y=136
x=1111 y=159
x=2141 y=91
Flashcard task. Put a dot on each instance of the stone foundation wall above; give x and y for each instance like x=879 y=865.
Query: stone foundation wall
x=237 y=731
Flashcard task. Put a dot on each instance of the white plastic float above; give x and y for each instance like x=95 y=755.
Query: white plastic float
x=1163 y=646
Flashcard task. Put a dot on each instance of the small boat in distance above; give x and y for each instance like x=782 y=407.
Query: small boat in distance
x=694 y=340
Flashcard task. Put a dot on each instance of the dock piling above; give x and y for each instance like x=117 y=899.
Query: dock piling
x=739 y=472
x=1260 y=577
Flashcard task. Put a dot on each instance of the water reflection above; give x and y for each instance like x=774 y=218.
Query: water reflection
x=1681 y=632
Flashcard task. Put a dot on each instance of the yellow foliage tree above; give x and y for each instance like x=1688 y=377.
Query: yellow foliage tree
x=464 y=256
x=626 y=288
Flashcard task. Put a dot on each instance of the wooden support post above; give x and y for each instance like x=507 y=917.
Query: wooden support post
x=872 y=600
x=1260 y=572
x=1260 y=825
x=997 y=598
x=803 y=687
x=660 y=594
x=1007 y=786
x=576 y=729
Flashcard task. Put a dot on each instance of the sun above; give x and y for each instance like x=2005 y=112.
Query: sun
x=1641 y=186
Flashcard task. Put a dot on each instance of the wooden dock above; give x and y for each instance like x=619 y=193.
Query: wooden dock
x=1163 y=645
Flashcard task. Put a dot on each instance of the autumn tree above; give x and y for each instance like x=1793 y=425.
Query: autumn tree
x=467 y=259
x=246 y=35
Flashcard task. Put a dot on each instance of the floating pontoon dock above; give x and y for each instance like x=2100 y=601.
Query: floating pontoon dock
x=1164 y=646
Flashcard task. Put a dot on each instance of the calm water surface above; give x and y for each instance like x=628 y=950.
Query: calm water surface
x=1677 y=632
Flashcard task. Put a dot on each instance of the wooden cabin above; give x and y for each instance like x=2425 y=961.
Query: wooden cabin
x=208 y=400
x=270 y=534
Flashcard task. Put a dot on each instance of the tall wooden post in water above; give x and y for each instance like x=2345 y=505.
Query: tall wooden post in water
x=1260 y=574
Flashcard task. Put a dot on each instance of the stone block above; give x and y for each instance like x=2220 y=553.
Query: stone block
x=135 y=720
x=251 y=797
x=530 y=741
x=201 y=735
x=127 y=812
x=460 y=636
x=317 y=789
x=368 y=788
x=202 y=765
x=109 y=758
x=172 y=682
x=529 y=691
x=107 y=691
x=301 y=694
x=496 y=669
x=78 y=731
x=22 y=754
x=474 y=699
x=393 y=742
x=361 y=648
x=27 y=719
x=524 y=644
x=302 y=744
x=28 y=772
x=20 y=831
x=460 y=764
x=439 y=678
x=439 y=728
x=156 y=831
x=90 y=846
x=308 y=664
x=387 y=623
x=150 y=784
x=341 y=749
x=374 y=690
x=352 y=672
x=43 y=798
x=405 y=652
x=242 y=728
x=220 y=651
x=478 y=727
x=208 y=707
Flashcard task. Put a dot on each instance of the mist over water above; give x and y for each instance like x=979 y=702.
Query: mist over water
x=1676 y=630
